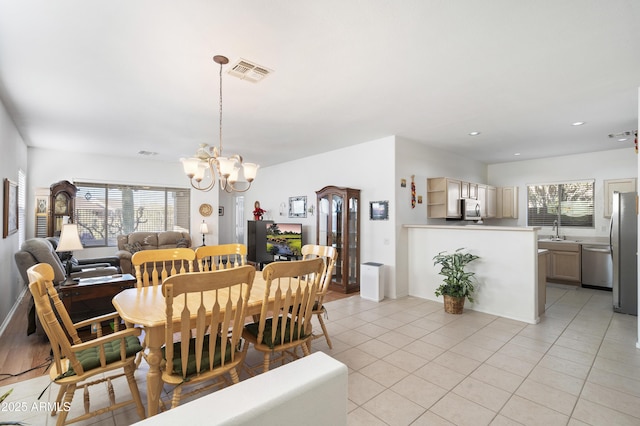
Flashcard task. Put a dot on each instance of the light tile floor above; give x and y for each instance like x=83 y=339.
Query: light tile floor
x=412 y=364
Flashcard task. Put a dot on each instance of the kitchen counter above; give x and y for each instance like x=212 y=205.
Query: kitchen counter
x=506 y=271
x=596 y=241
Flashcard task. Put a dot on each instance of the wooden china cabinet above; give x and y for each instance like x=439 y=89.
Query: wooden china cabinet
x=339 y=226
x=62 y=202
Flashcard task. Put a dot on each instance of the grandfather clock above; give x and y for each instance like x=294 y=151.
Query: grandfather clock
x=62 y=202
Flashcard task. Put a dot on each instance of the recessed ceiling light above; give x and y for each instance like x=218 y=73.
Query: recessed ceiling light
x=516 y=154
x=147 y=152
x=622 y=139
x=474 y=133
x=578 y=123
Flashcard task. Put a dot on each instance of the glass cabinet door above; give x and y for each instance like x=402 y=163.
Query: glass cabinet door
x=338 y=227
x=353 y=241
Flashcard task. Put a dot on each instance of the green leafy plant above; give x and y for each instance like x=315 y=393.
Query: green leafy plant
x=457 y=281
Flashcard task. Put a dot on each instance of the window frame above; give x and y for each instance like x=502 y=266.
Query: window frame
x=589 y=204
x=182 y=212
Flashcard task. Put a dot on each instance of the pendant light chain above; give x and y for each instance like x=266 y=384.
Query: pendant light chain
x=211 y=165
x=220 y=153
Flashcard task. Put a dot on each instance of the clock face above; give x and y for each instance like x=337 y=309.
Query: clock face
x=61 y=205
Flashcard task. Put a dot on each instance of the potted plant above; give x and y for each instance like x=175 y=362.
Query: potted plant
x=458 y=283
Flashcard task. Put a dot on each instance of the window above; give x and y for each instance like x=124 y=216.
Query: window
x=571 y=204
x=22 y=202
x=104 y=211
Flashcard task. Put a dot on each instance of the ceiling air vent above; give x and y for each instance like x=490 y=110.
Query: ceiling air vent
x=247 y=70
x=622 y=134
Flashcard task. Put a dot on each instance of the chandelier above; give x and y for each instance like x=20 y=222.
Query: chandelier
x=209 y=163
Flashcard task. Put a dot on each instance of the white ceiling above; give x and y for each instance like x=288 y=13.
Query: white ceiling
x=122 y=76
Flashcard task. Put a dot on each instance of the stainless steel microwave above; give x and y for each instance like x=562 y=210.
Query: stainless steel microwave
x=470 y=209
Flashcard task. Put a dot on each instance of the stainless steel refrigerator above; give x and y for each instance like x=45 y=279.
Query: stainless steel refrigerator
x=624 y=249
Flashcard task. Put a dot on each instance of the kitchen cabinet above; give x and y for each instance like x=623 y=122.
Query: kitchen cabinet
x=443 y=198
x=491 y=201
x=469 y=190
x=542 y=280
x=487 y=199
x=563 y=261
x=507 y=202
x=473 y=191
x=338 y=225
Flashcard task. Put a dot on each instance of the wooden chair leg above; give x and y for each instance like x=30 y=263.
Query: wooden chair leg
x=68 y=396
x=234 y=376
x=324 y=331
x=61 y=391
x=305 y=349
x=177 y=391
x=265 y=364
x=135 y=392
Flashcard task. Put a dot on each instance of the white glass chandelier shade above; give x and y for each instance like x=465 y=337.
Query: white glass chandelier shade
x=225 y=169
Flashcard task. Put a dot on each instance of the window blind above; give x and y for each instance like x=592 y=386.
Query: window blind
x=569 y=203
x=104 y=211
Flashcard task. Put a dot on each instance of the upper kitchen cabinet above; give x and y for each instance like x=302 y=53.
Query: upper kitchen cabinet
x=469 y=190
x=443 y=198
x=507 y=202
x=487 y=199
x=616 y=185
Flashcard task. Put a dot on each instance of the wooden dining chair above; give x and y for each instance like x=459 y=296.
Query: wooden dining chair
x=213 y=350
x=328 y=255
x=223 y=256
x=292 y=287
x=153 y=266
x=82 y=364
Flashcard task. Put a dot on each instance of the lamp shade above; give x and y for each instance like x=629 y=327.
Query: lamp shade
x=250 y=171
x=204 y=229
x=69 y=238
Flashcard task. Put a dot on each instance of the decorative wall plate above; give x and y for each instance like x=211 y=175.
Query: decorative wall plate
x=205 y=209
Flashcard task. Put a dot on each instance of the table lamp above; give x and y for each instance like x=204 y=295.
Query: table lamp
x=204 y=229
x=69 y=241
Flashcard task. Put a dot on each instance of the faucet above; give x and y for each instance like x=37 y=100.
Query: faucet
x=557 y=229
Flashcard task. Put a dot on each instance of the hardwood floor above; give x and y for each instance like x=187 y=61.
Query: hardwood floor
x=24 y=357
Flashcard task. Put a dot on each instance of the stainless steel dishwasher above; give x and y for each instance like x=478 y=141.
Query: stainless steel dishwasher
x=597 y=267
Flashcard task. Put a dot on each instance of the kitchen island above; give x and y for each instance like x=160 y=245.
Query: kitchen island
x=506 y=272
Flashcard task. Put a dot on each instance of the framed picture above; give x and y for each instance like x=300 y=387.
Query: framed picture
x=10 y=214
x=379 y=210
x=298 y=206
x=220 y=210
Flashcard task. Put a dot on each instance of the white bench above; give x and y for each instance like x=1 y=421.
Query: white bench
x=309 y=391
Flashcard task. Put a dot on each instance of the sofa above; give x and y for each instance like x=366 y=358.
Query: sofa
x=40 y=250
x=130 y=243
x=77 y=265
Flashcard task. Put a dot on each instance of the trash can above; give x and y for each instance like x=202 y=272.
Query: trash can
x=371 y=282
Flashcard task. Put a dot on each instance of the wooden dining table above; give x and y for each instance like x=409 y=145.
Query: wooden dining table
x=146 y=307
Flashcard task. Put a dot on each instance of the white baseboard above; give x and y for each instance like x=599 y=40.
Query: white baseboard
x=6 y=321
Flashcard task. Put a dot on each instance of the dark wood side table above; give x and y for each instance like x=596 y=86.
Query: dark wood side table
x=89 y=297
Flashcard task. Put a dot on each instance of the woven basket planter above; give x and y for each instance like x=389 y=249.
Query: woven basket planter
x=453 y=305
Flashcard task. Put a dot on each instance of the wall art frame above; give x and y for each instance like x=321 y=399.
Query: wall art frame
x=379 y=210
x=298 y=206
x=10 y=212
